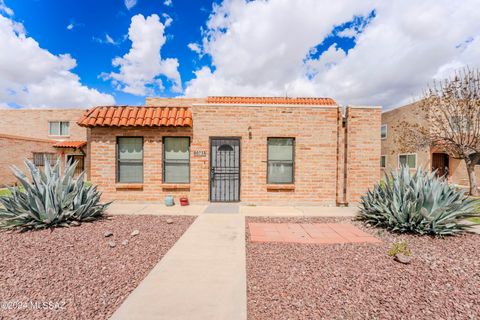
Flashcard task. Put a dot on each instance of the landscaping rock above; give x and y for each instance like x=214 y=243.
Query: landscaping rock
x=75 y=223
x=135 y=233
x=112 y=244
x=77 y=268
x=403 y=258
x=108 y=234
x=169 y=221
x=125 y=242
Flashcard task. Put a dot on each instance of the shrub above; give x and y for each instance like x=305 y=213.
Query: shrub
x=399 y=248
x=419 y=203
x=50 y=199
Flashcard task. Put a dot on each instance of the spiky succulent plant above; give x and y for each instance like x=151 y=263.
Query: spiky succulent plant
x=418 y=203
x=50 y=199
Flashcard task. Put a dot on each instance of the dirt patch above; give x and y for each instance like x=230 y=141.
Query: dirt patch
x=78 y=273
x=360 y=281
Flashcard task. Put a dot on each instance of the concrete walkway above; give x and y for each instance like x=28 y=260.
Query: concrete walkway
x=203 y=276
x=119 y=208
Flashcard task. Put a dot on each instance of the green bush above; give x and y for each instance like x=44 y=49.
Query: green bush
x=419 y=203
x=50 y=199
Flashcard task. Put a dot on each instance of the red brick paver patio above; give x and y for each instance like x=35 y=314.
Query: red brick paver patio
x=308 y=233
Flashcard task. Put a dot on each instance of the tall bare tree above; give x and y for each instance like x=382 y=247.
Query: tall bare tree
x=452 y=108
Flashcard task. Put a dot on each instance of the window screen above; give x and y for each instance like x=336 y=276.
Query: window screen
x=383 y=161
x=176 y=159
x=130 y=160
x=409 y=160
x=59 y=128
x=383 y=131
x=280 y=160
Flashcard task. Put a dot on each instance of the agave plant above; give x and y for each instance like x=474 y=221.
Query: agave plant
x=50 y=199
x=418 y=203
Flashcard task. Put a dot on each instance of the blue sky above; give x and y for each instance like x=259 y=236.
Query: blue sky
x=62 y=54
x=47 y=20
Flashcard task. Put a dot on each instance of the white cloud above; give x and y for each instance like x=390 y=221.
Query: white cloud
x=107 y=39
x=168 y=3
x=34 y=77
x=168 y=20
x=142 y=67
x=5 y=9
x=195 y=47
x=70 y=26
x=130 y=3
x=263 y=48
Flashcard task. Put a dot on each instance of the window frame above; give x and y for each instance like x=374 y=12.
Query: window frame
x=386 y=131
x=293 y=161
x=385 y=157
x=117 y=160
x=407 y=154
x=59 y=128
x=50 y=156
x=164 y=161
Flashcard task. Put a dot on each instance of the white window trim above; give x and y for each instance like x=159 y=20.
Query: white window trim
x=60 y=128
x=383 y=155
x=407 y=154
x=386 y=131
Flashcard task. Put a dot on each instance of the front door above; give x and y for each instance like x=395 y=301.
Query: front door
x=224 y=169
x=440 y=162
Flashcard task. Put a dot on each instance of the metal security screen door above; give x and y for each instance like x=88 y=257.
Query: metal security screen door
x=225 y=170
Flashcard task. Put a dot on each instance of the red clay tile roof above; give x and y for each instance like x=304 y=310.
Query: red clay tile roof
x=127 y=116
x=272 y=100
x=70 y=144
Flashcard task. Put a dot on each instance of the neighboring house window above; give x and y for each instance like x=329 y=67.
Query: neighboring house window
x=408 y=159
x=383 y=161
x=59 y=128
x=383 y=131
x=280 y=160
x=130 y=159
x=39 y=158
x=176 y=159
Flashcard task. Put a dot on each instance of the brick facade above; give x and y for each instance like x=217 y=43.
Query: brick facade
x=23 y=132
x=322 y=160
x=391 y=149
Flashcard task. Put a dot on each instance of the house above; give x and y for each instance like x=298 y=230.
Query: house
x=36 y=134
x=228 y=149
x=430 y=158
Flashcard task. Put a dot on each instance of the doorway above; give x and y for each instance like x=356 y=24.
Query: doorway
x=441 y=163
x=224 y=169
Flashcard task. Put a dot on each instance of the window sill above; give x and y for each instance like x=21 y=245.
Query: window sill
x=286 y=187
x=173 y=186
x=129 y=186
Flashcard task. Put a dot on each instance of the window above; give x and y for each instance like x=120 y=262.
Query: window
x=130 y=159
x=383 y=161
x=59 y=128
x=383 y=131
x=176 y=159
x=409 y=160
x=280 y=160
x=39 y=158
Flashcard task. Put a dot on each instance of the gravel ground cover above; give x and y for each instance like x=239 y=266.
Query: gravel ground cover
x=360 y=281
x=75 y=273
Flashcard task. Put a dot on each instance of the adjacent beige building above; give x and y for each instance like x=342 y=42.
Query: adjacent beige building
x=39 y=134
x=430 y=158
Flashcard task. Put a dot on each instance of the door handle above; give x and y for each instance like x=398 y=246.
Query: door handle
x=212 y=174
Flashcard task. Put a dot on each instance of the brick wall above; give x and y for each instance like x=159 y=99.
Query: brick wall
x=362 y=150
x=16 y=150
x=23 y=132
x=412 y=113
x=319 y=158
x=34 y=123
